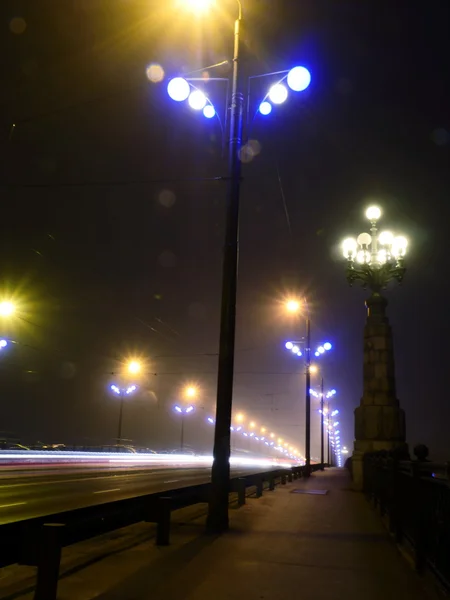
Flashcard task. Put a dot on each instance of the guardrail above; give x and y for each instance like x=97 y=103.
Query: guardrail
x=39 y=541
x=415 y=497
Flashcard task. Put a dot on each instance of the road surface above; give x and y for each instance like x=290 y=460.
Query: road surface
x=28 y=494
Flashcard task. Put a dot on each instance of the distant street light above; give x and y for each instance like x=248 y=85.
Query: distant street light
x=293 y=307
x=190 y=391
x=3 y=344
x=122 y=393
x=297 y=79
x=183 y=411
x=7 y=309
x=323 y=411
x=134 y=367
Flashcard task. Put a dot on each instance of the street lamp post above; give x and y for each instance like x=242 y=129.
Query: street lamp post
x=324 y=411
x=322 y=457
x=298 y=79
x=122 y=393
x=183 y=412
x=375 y=259
x=295 y=348
x=308 y=399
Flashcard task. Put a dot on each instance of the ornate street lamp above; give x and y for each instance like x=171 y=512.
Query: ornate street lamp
x=375 y=259
x=378 y=256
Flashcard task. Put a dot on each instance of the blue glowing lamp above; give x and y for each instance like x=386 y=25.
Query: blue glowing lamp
x=327 y=346
x=265 y=108
x=209 y=111
x=197 y=100
x=289 y=345
x=278 y=93
x=178 y=89
x=298 y=79
x=3 y=344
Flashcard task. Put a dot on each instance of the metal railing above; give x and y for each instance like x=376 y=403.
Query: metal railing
x=415 y=498
x=39 y=541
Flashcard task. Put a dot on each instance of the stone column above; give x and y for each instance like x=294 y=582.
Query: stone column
x=379 y=420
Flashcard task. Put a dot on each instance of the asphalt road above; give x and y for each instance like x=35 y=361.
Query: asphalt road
x=27 y=494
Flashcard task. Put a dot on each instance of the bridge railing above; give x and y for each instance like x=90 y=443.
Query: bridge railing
x=415 y=498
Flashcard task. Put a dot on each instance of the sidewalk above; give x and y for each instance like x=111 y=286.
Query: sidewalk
x=283 y=546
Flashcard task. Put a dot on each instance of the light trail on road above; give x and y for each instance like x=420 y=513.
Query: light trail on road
x=36 y=484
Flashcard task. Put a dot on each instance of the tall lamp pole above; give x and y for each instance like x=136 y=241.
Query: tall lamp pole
x=307 y=470
x=217 y=520
x=179 y=89
x=121 y=392
x=322 y=455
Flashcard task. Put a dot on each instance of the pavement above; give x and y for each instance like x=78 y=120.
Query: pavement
x=285 y=545
x=315 y=546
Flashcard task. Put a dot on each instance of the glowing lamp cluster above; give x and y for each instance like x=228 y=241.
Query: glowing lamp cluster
x=179 y=89
x=378 y=255
x=297 y=79
x=328 y=395
x=3 y=344
x=294 y=347
x=182 y=410
x=124 y=391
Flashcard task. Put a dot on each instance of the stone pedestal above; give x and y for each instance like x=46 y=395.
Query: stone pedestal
x=379 y=420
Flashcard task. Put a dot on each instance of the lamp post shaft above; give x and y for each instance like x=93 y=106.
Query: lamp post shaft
x=217 y=520
x=182 y=432
x=119 y=432
x=308 y=400
x=328 y=433
x=322 y=456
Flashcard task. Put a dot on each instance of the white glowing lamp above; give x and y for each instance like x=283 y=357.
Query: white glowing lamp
x=349 y=247
x=399 y=246
x=373 y=213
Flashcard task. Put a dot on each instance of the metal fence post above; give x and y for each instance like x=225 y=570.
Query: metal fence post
x=271 y=483
x=241 y=483
x=259 y=487
x=48 y=561
x=163 y=523
x=283 y=479
x=395 y=526
x=290 y=476
x=419 y=542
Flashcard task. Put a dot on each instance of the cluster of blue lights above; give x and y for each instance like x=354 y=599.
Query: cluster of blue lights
x=327 y=395
x=298 y=79
x=180 y=89
x=183 y=411
x=125 y=391
x=294 y=347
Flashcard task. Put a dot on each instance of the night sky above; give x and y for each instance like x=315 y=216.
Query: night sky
x=112 y=222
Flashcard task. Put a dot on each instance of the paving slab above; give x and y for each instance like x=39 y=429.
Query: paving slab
x=324 y=546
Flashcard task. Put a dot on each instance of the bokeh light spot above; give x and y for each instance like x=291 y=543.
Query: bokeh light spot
x=166 y=198
x=17 y=25
x=155 y=73
x=249 y=150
